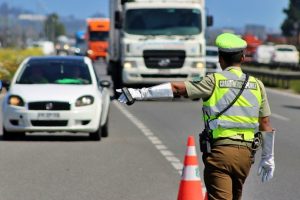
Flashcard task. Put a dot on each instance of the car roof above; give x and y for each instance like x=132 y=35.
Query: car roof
x=285 y=46
x=212 y=48
x=57 y=58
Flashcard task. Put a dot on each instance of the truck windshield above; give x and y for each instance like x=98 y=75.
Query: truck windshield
x=98 y=36
x=163 y=21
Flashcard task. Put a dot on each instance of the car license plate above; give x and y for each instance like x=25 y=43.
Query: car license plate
x=48 y=115
x=164 y=71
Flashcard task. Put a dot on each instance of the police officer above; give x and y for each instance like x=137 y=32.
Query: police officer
x=228 y=164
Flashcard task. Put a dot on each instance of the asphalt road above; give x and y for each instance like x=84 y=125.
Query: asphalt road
x=141 y=158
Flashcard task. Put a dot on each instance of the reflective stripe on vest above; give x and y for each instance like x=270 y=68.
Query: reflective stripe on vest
x=242 y=117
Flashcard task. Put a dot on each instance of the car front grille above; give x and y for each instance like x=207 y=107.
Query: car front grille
x=49 y=122
x=164 y=59
x=49 y=105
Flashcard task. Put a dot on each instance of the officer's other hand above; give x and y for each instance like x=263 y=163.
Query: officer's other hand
x=266 y=168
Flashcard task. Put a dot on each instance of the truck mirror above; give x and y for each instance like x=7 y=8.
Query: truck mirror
x=209 y=20
x=118 y=20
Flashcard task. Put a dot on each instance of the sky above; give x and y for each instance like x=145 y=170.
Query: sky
x=226 y=13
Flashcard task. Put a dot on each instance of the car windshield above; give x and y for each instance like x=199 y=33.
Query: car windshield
x=285 y=49
x=163 y=21
x=55 y=72
x=211 y=53
x=98 y=36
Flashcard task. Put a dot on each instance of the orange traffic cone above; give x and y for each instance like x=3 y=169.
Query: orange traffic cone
x=190 y=186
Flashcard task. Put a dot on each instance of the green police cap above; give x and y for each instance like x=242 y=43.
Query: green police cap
x=228 y=42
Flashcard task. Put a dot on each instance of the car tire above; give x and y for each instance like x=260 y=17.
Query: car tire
x=96 y=136
x=104 y=128
x=7 y=135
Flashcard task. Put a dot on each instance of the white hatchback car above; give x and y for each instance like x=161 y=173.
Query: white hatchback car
x=285 y=54
x=56 y=94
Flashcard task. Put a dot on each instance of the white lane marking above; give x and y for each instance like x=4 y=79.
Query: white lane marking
x=280 y=117
x=282 y=93
x=168 y=155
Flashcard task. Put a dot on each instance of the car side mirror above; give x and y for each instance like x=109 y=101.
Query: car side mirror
x=105 y=83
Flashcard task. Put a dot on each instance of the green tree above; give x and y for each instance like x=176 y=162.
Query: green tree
x=291 y=25
x=53 y=27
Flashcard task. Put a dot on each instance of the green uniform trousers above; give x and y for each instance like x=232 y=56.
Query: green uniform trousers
x=226 y=169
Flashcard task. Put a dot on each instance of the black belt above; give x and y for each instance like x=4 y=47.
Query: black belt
x=230 y=141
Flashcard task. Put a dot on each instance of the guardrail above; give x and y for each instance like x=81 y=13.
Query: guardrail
x=273 y=77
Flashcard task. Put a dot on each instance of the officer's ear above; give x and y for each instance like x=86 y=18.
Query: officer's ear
x=243 y=58
x=222 y=62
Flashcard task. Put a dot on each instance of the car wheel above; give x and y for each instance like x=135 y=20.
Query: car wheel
x=7 y=135
x=104 y=129
x=96 y=136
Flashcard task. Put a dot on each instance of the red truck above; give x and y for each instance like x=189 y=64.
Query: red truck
x=252 y=43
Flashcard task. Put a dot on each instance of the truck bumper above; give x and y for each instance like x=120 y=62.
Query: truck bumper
x=140 y=74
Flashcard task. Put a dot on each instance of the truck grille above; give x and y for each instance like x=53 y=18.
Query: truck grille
x=164 y=59
x=164 y=75
x=49 y=105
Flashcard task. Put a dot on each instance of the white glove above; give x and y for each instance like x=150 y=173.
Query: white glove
x=162 y=91
x=266 y=166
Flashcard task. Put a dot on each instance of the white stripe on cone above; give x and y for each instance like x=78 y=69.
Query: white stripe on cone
x=191 y=151
x=191 y=173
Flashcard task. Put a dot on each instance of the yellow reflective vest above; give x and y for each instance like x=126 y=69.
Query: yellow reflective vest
x=242 y=117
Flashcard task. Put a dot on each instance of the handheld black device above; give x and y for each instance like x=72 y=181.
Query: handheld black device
x=128 y=96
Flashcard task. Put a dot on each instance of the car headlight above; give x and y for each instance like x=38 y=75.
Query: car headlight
x=66 y=47
x=90 y=52
x=198 y=65
x=15 y=100
x=77 y=50
x=84 y=101
x=129 y=64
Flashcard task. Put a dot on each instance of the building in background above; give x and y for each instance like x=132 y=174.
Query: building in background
x=257 y=30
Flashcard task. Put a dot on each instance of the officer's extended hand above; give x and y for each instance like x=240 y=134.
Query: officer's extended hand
x=266 y=166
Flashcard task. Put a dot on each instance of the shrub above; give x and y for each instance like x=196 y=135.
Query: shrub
x=295 y=85
x=10 y=59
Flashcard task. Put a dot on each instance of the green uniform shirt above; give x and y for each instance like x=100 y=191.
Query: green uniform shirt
x=204 y=89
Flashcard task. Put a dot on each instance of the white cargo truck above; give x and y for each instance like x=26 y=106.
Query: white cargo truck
x=156 y=41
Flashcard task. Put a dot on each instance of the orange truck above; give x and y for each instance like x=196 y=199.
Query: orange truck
x=97 y=37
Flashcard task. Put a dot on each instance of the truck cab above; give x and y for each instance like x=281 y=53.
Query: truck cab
x=152 y=43
x=97 y=37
